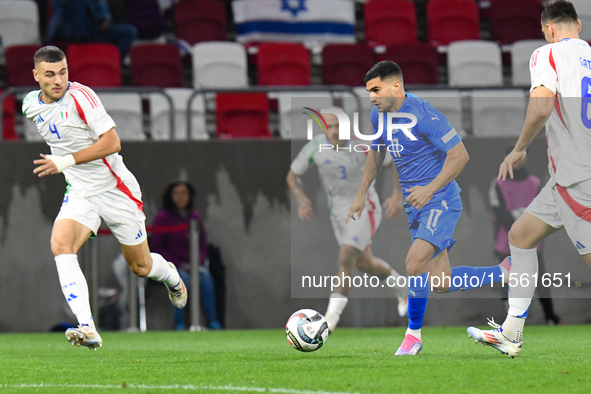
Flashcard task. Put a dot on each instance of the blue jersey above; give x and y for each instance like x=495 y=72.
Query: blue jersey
x=419 y=162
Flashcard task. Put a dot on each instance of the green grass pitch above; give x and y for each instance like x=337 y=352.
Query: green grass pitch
x=553 y=360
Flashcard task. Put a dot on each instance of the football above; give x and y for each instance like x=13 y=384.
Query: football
x=306 y=330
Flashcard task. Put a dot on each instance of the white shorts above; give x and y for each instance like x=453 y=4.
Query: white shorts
x=357 y=233
x=120 y=208
x=568 y=207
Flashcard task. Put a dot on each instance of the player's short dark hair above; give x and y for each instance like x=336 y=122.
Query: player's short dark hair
x=560 y=11
x=167 y=202
x=49 y=54
x=384 y=70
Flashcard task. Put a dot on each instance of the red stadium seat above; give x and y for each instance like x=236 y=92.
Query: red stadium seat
x=390 y=22
x=283 y=64
x=156 y=65
x=242 y=115
x=95 y=65
x=8 y=123
x=19 y=65
x=452 y=20
x=346 y=64
x=417 y=61
x=510 y=23
x=203 y=20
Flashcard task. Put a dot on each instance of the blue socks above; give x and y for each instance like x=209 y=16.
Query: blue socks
x=467 y=278
x=418 y=295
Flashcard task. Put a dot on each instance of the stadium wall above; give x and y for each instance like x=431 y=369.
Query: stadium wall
x=241 y=192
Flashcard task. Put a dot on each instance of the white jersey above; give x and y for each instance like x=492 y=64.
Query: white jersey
x=340 y=172
x=565 y=69
x=72 y=123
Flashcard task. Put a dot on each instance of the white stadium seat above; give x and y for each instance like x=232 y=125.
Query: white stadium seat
x=19 y=22
x=474 y=63
x=126 y=111
x=498 y=113
x=293 y=122
x=219 y=65
x=448 y=102
x=159 y=110
x=521 y=52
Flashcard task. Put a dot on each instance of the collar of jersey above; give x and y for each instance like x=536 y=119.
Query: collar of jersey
x=61 y=98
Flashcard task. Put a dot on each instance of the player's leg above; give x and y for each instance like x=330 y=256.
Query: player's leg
x=372 y=265
x=417 y=259
x=154 y=266
x=339 y=297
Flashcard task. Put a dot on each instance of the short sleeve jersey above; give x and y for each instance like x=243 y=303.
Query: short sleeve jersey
x=340 y=171
x=418 y=161
x=70 y=124
x=565 y=69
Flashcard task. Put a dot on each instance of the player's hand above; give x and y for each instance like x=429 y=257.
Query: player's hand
x=419 y=196
x=305 y=211
x=393 y=206
x=509 y=163
x=356 y=207
x=45 y=167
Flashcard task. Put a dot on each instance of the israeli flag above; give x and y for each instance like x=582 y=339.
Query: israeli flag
x=307 y=21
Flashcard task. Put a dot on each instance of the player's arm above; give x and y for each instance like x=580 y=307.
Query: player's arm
x=297 y=189
x=107 y=144
x=393 y=204
x=539 y=109
x=370 y=171
x=456 y=160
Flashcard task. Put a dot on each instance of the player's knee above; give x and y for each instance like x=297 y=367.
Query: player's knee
x=363 y=265
x=414 y=266
x=59 y=246
x=517 y=238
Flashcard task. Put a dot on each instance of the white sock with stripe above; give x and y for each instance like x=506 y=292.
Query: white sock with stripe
x=336 y=304
x=74 y=287
x=162 y=272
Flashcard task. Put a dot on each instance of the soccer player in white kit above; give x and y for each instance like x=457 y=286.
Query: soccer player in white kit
x=84 y=146
x=340 y=172
x=560 y=98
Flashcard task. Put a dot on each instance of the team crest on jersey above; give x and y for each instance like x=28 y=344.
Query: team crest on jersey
x=64 y=112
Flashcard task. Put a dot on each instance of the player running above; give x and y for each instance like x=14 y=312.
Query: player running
x=84 y=146
x=429 y=155
x=340 y=172
x=559 y=98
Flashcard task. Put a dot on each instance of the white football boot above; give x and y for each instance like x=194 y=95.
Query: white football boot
x=84 y=335
x=496 y=339
x=178 y=293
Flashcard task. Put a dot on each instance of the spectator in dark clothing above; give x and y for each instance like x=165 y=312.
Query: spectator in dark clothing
x=177 y=208
x=79 y=21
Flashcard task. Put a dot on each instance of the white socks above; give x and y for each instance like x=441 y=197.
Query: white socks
x=74 y=287
x=401 y=292
x=336 y=304
x=162 y=272
x=524 y=264
x=513 y=328
x=414 y=333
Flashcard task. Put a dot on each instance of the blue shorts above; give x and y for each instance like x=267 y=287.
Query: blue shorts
x=436 y=222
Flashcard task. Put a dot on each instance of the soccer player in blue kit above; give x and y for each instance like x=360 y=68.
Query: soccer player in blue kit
x=429 y=155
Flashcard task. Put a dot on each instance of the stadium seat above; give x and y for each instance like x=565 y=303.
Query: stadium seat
x=8 y=123
x=283 y=64
x=156 y=65
x=362 y=106
x=390 y=22
x=448 y=102
x=474 y=63
x=219 y=65
x=126 y=111
x=19 y=22
x=95 y=65
x=147 y=17
x=452 y=20
x=418 y=62
x=521 y=52
x=19 y=63
x=583 y=8
x=498 y=113
x=242 y=115
x=293 y=122
x=346 y=64
x=510 y=23
x=203 y=20
x=159 y=117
